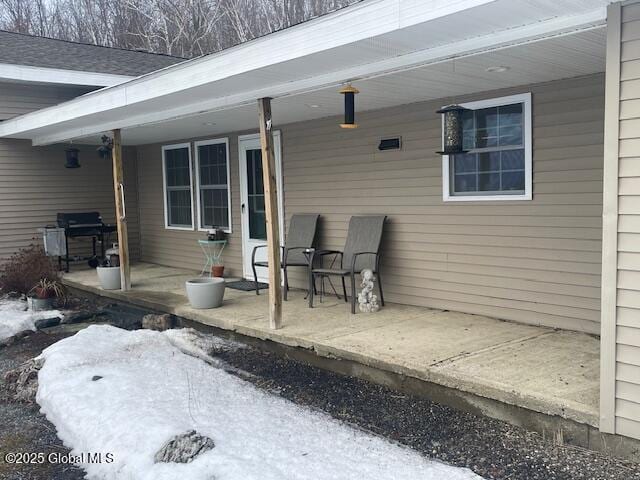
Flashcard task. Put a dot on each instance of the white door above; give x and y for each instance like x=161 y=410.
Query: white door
x=254 y=232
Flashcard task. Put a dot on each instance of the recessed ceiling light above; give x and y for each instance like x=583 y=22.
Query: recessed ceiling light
x=209 y=124
x=497 y=69
x=313 y=105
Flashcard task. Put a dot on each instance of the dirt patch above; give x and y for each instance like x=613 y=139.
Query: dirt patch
x=23 y=428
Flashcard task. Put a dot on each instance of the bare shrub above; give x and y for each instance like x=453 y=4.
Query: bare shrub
x=25 y=269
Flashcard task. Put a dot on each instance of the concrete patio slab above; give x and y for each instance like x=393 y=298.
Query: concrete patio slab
x=540 y=369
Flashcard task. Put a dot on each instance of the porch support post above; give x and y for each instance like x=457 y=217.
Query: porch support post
x=271 y=210
x=121 y=219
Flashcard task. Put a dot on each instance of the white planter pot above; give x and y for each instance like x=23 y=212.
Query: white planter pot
x=109 y=277
x=40 y=304
x=205 y=292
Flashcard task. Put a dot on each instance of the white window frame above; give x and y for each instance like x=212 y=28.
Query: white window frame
x=525 y=99
x=213 y=141
x=176 y=146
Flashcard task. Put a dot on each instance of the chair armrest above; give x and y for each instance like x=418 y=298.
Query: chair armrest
x=355 y=258
x=296 y=248
x=253 y=254
x=323 y=252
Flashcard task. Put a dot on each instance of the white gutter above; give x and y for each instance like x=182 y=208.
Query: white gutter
x=58 y=76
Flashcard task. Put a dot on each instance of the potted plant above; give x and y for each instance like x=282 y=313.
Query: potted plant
x=109 y=273
x=217 y=269
x=217 y=234
x=42 y=295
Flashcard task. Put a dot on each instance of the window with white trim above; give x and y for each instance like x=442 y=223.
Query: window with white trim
x=497 y=166
x=212 y=173
x=178 y=193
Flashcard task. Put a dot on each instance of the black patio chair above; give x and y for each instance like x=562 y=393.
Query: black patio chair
x=361 y=250
x=300 y=237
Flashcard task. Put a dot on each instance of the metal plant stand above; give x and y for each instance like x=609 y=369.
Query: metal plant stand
x=212 y=250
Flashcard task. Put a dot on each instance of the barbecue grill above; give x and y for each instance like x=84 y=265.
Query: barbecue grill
x=84 y=224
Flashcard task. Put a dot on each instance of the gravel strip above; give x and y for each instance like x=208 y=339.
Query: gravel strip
x=492 y=449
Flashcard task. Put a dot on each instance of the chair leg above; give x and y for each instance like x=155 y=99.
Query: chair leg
x=380 y=289
x=286 y=283
x=353 y=293
x=255 y=278
x=344 y=289
x=312 y=287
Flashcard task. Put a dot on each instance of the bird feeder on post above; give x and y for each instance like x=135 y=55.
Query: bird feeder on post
x=349 y=93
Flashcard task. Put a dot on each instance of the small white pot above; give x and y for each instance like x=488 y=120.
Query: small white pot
x=109 y=277
x=205 y=292
x=39 y=304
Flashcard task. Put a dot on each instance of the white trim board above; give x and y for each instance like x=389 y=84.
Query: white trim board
x=176 y=146
x=609 y=275
x=213 y=141
x=57 y=76
x=525 y=99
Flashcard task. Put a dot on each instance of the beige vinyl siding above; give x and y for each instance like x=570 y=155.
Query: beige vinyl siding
x=17 y=99
x=627 y=406
x=179 y=248
x=34 y=185
x=533 y=261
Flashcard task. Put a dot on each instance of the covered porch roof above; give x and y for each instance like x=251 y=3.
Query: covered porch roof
x=394 y=51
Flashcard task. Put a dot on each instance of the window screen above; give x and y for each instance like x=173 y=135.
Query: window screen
x=495 y=163
x=177 y=167
x=214 y=185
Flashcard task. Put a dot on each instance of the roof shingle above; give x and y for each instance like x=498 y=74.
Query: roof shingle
x=23 y=49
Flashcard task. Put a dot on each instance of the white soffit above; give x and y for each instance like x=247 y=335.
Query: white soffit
x=57 y=76
x=372 y=39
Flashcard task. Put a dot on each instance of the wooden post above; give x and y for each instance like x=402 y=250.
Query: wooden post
x=271 y=208
x=121 y=218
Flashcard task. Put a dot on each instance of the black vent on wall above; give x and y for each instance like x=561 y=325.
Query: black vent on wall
x=390 y=143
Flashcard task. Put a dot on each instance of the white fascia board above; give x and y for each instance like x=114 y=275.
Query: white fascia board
x=58 y=76
x=474 y=46
x=357 y=22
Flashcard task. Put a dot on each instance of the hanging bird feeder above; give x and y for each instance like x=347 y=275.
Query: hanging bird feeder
x=452 y=142
x=349 y=93
x=71 y=158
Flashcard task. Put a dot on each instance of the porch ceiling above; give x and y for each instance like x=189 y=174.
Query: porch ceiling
x=395 y=51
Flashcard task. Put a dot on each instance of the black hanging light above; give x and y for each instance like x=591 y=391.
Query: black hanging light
x=71 y=158
x=452 y=129
x=104 y=150
x=349 y=93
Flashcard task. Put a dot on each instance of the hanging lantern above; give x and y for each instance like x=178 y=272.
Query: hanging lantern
x=452 y=129
x=72 y=160
x=349 y=93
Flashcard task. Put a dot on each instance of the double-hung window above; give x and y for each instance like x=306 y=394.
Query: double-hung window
x=212 y=173
x=178 y=186
x=497 y=165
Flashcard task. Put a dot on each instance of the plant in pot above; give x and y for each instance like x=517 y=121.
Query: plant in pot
x=109 y=273
x=217 y=234
x=42 y=295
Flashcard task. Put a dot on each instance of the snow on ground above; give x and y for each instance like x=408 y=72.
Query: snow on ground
x=150 y=391
x=15 y=318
